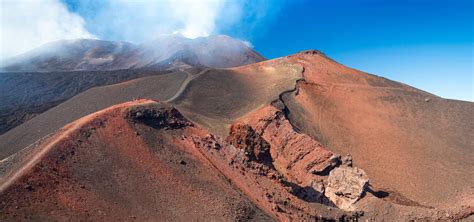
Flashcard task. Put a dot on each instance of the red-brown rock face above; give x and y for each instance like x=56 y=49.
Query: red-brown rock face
x=296 y=155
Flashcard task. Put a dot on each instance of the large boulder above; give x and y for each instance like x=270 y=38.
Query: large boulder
x=345 y=186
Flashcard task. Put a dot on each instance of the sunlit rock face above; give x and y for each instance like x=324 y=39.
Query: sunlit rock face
x=346 y=185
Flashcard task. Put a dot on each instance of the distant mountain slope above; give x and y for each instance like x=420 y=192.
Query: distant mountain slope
x=164 y=52
x=26 y=94
x=72 y=55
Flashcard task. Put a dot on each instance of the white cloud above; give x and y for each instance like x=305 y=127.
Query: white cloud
x=198 y=17
x=140 y=20
x=26 y=24
x=247 y=43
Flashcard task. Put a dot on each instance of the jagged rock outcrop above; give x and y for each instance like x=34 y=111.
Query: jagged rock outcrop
x=304 y=161
x=167 y=118
x=297 y=156
x=244 y=157
x=243 y=137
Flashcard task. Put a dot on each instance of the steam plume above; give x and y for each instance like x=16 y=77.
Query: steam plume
x=28 y=24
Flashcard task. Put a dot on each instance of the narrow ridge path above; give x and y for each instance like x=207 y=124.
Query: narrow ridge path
x=185 y=83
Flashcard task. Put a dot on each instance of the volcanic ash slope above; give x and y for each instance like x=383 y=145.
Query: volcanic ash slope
x=267 y=141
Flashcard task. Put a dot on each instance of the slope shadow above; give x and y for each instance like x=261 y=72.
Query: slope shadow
x=308 y=194
x=394 y=197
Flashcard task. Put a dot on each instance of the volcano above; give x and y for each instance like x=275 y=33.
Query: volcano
x=300 y=137
x=163 y=52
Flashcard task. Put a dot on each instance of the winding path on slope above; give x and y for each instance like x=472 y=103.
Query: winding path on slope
x=185 y=83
